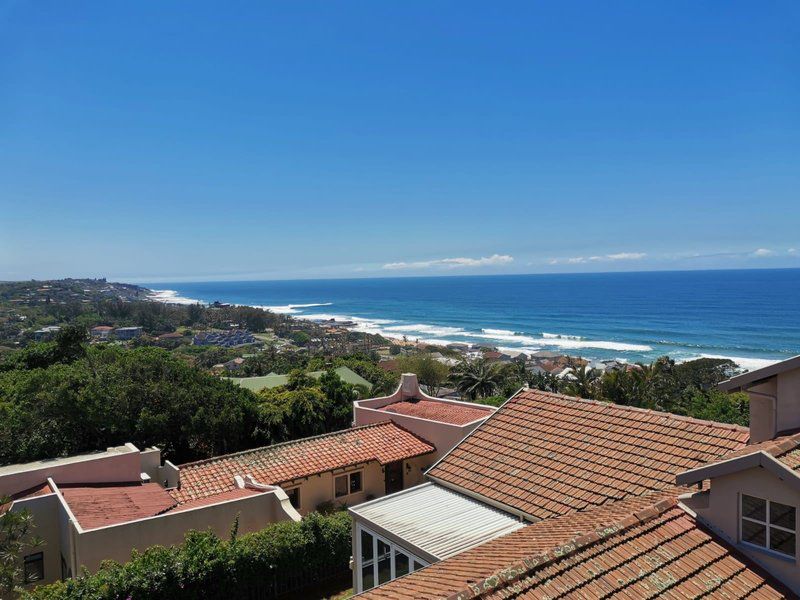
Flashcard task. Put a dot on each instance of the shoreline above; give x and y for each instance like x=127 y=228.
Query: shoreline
x=438 y=335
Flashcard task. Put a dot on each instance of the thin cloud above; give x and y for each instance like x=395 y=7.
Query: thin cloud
x=762 y=252
x=452 y=263
x=579 y=260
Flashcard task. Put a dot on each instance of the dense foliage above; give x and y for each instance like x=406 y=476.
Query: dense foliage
x=15 y=538
x=63 y=398
x=282 y=557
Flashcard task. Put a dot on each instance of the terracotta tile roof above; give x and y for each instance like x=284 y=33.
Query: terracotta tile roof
x=37 y=490
x=233 y=494
x=445 y=412
x=655 y=550
x=110 y=504
x=383 y=442
x=449 y=576
x=545 y=454
x=786 y=448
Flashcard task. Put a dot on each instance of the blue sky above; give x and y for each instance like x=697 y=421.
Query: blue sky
x=192 y=140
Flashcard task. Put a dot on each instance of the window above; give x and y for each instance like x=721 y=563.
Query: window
x=33 y=569
x=769 y=525
x=350 y=483
x=380 y=560
x=294 y=497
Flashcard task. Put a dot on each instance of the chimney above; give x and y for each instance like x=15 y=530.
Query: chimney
x=409 y=386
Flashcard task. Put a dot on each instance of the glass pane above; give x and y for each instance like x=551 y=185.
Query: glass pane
x=400 y=564
x=754 y=533
x=355 y=482
x=780 y=514
x=417 y=566
x=341 y=486
x=754 y=508
x=384 y=563
x=367 y=577
x=366 y=547
x=781 y=541
x=294 y=497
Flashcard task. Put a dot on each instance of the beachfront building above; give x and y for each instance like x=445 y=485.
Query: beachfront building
x=604 y=505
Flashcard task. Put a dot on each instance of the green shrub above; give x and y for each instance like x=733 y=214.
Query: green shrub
x=282 y=557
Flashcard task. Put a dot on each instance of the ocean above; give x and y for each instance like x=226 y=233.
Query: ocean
x=750 y=316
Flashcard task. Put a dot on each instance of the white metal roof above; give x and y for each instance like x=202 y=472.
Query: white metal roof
x=436 y=519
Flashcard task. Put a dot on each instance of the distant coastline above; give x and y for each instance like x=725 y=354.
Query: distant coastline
x=624 y=317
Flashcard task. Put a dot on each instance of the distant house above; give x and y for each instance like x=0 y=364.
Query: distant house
x=101 y=332
x=225 y=339
x=46 y=333
x=273 y=380
x=127 y=333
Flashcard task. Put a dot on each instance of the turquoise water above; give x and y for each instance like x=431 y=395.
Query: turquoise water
x=751 y=316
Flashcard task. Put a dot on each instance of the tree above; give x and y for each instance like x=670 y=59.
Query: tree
x=15 y=535
x=476 y=378
x=583 y=382
x=430 y=372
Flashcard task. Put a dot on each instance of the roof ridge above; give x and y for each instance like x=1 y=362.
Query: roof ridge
x=515 y=571
x=726 y=426
x=289 y=443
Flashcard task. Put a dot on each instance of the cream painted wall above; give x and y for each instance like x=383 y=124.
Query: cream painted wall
x=320 y=488
x=789 y=400
x=44 y=510
x=722 y=514
x=125 y=466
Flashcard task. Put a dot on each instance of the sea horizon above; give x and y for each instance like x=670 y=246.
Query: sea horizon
x=747 y=315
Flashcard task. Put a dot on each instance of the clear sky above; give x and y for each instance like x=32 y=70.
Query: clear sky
x=194 y=140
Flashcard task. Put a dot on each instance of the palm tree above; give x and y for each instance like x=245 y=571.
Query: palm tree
x=583 y=382
x=476 y=378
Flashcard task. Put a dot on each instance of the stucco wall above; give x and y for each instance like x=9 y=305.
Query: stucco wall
x=44 y=510
x=789 y=400
x=125 y=466
x=117 y=541
x=723 y=511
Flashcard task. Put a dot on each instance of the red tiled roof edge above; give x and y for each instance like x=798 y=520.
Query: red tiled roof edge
x=776 y=448
x=684 y=418
x=518 y=570
x=305 y=439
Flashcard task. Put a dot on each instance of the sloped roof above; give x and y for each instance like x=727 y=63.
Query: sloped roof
x=545 y=454
x=436 y=520
x=444 y=412
x=653 y=550
x=110 y=504
x=272 y=465
x=751 y=377
x=785 y=449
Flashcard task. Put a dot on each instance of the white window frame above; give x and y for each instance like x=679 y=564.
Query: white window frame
x=348 y=474
x=767 y=525
x=393 y=549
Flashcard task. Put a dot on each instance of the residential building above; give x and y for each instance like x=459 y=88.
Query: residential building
x=226 y=339
x=101 y=333
x=102 y=505
x=603 y=493
x=46 y=333
x=127 y=333
x=442 y=422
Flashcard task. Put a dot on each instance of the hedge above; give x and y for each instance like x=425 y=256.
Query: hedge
x=283 y=557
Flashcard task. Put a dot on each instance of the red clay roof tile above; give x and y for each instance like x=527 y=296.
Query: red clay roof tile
x=555 y=454
x=445 y=412
x=272 y=465
x=110 y=504
x=635 y=548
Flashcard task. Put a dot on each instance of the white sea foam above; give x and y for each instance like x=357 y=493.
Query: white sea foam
x=290 y=309
x=498 y=331
x=424 y=329
x=171 y=297
x=749 y=364
x=570 y=344
x=560 y=336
